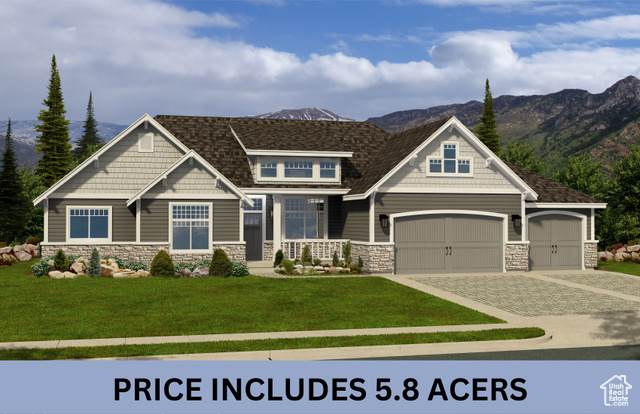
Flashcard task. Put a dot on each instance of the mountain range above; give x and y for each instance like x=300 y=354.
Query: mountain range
x=305 y=114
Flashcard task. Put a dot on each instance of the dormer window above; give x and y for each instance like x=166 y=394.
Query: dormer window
x=269 y=169
x=450 y=164
x=298 y=169
x=328 y=169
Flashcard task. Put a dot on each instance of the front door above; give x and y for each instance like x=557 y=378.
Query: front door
x=253 y=235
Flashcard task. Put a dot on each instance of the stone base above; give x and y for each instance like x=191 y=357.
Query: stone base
x=377 y=258
x=267 y=251
x=590 y=255
x=516 y=256
x=143 y=252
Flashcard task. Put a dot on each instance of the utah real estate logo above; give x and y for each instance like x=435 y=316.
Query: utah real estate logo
x=616 y=391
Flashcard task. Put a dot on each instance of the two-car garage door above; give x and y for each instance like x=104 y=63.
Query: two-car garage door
x=448 y=243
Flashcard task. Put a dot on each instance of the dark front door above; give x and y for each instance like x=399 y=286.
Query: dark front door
x=253 y=235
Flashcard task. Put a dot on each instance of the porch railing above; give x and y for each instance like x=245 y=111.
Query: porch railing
x=320 y=249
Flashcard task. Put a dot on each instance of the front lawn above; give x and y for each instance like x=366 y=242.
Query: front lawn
x=34 y=309
x=629 y=268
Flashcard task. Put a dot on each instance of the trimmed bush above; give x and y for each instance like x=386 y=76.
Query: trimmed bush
x=220 y=264
x=60 y=261
x=135 y=266
x=288 y=266
x=346 y=250
x=360 y=264
x=317 y=262
x=335 y=259
x=278 y=259
x=42 y=267
x=239 y=269
x=33 y=240
x=306 y=254
x=94 y=265
x=162 y=265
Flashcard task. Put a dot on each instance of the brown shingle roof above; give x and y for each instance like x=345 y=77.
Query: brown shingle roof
x=398 y=147
x=550 y=191
x=212 y=138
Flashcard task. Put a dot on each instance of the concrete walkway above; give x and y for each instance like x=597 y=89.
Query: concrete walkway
x=576 y=309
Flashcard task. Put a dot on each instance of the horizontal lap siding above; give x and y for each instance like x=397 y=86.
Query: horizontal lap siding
x=155 y=219
x=402 y=203
x=355 y=220
x=123 y=222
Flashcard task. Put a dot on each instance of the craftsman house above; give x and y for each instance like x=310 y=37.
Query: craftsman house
x=430 y=199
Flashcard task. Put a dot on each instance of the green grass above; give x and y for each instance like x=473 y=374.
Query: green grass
x=34 y=309
x=268 y=344
x=629 y=268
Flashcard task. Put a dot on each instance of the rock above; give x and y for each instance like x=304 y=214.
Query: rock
x=79 y=260
x=298 y=266
x=326 y=269
x=56 y=275
x=635 y=256
x=107 y=270
x=185 y=273
x=113 y=263
x=104 y=262
x=634 y=248
x=8 y=257
x=36 y=253
x=69 y=275
x=142 y=273
x=621 y=257
x=339 y=269
x=319 y=268
x=18 y=248
x=298 y=270
x=200 y=271
x=23 y=256
x=605 y=256
x=79 y=268
x=621 y=250
x=51 y=265
x=5 y=250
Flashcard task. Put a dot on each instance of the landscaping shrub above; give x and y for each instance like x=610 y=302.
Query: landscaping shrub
x=3 y=244
x=181 y=266
x=353 y=267
x=118 y=260
x=239 y=269
x=335 y=259
x=135 y=266
x=288 y=266
x=33 y=240
x=306 y=255
x=631 y=243
x=617 y=246
x=346 y=250
x=278 y=259
x=220 y=264
x=317 y=262
x=162 y=265
x=360 y=264
x=203 y=262
x=42 y=267
x=312 y=272
x=15 y=243
x=94 y=265
x=60 y=261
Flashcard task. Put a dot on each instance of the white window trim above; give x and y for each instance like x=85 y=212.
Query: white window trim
x=284 y=218
x=209 y=249
x=315 y=172
x=442 y=159
x=262 y=212
x=89 y=240
x=141 y=135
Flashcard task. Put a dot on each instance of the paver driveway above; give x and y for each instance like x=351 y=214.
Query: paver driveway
x=545 y=293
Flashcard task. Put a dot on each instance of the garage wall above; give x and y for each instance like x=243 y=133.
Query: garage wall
x=585 y=211
x=401 y=203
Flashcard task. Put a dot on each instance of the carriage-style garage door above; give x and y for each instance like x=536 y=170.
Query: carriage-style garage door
x=556 y=242
x=448 y=244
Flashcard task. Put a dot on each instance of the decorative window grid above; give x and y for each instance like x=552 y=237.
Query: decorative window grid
x=298 y=169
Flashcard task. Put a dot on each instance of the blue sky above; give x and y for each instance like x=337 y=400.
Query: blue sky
x=356 y=58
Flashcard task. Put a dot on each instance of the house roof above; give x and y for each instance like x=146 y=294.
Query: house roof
x=213 y=138
x=550 y=191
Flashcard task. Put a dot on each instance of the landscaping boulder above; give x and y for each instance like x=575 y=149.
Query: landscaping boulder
x=107 y=270
x=113 y=263
x=621 y=250
x=634 y=248
x=78 y=268
x=605 y=256
x=142 y=273
x=5 y=250
x=185 y=273
x=18 y=248
x=8 y=258
x=200 y=271
x=56 y=275
x=23 y=256
x=635 y=256
x=621 y=257
x=69 y=275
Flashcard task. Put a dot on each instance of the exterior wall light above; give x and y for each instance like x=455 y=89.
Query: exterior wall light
x=517 y=220
x=384 y=221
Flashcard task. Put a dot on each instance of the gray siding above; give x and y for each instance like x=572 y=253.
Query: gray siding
x=123 y=222
x=355 y=220
x=585 y=211
x=155 y=220
x=401 y=203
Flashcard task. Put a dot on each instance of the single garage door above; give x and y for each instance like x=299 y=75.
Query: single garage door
x=448 y=244
x=556 y=242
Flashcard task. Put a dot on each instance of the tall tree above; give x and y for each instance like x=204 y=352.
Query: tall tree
x=522 y=154
x=53 y=140
x=487 y=130
x=584 y=174
x=12 y=205
x=90 y=132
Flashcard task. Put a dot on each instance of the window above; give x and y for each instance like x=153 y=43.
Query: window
x=89 y=223
x=190 y=226
x=328 y=169
x=450 y=163
x=257 y=205
x=302 y=218
x=145 y=142
x=269 y=169
x=298 y=169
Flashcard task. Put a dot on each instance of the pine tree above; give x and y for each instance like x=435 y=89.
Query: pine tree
x=487 y=131
x=53 y=140
x=12 y=203
x=90 y=133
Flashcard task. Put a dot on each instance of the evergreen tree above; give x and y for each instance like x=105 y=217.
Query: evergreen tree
x=487 y=130
x=90 y=132
x=522 y=154
x=12 y=205
x=53 y=140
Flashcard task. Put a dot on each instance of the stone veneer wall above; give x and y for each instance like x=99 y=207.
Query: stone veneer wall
x=376 y=257
x=590 y=255
x=516 y=256
x=143 y=252
x=267 y=251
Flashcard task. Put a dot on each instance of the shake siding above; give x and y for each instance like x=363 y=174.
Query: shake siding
x=122 y=168
x=335 y=220
x=189 y=179
x=585 y=211
x=123 y=222
x=355 y=220
x=401 y=203
x=155 y=220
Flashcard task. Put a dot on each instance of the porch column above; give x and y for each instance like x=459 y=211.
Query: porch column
x=277 y=223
